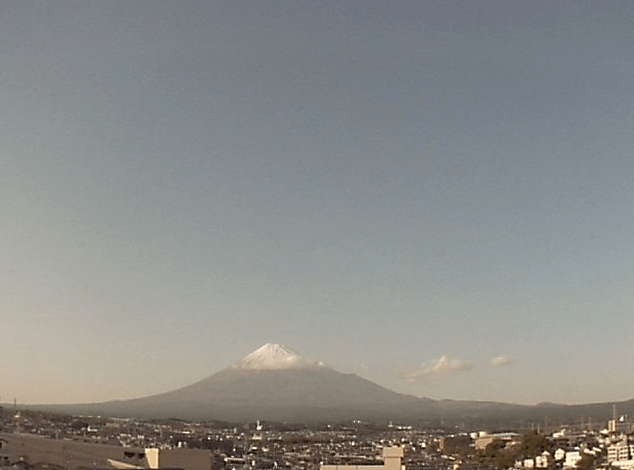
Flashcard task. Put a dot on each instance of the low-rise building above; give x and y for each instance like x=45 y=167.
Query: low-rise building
x=572 y=459
x=620 y=451
x=484 y=439
x=392 y=458
x=543 y=460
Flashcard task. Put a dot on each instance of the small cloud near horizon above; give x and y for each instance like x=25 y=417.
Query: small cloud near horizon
x=442 y=367
x=501 y=361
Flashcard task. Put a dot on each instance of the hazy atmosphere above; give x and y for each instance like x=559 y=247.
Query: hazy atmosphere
x=434 y=195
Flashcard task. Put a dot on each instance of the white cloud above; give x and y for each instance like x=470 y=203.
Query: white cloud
x=501 y=361
x=437 y=368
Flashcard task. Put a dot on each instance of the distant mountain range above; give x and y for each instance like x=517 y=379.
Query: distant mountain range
x=277 y=384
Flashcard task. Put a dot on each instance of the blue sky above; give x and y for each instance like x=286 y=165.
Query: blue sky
x=435 y=195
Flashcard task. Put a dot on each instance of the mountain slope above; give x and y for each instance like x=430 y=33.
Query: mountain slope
x=274 y=383
x=273 y=394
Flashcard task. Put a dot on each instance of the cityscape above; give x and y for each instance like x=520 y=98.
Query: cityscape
x=316 y=235
x=41 y=437
x=35 y=440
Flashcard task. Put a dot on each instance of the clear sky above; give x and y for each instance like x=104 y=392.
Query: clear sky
x=435 y=195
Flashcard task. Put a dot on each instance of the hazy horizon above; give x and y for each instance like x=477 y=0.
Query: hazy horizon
x=432 y=195
x=237 y=364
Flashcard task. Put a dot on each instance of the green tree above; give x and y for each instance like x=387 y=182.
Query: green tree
x=587 y=462
x=496 y=454
x=533 y=444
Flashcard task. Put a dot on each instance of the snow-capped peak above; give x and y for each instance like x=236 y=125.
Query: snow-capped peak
x=274 y=356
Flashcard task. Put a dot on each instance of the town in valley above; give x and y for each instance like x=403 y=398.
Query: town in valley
x=36 y=440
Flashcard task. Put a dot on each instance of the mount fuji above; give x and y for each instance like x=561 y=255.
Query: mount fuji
x=272 y=383
x=275 y=383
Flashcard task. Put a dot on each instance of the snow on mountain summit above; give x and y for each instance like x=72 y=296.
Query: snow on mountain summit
x=274 y=356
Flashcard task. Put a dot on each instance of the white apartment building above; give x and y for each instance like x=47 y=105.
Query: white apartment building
x=621 y=454
x=572 y=459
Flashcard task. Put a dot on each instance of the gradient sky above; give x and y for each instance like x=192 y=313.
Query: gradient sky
x=435 y=195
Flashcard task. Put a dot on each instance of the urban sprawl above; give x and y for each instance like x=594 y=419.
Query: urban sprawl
x=32 y=440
